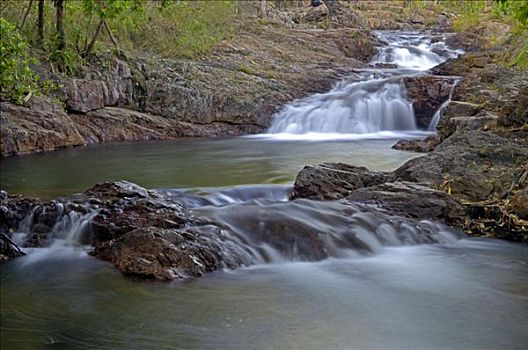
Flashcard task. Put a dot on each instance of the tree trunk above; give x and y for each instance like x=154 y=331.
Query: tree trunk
x=25 y=15
x=61 y=36
x=111 y=35
x=92 y=42
x=40 y=25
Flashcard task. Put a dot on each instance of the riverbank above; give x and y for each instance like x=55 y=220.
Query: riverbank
x=235 y=89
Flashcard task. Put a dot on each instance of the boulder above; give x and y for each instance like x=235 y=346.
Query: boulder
x=427 y=94
x=472 y=165
x=334 y=181
x=414 y=201
x=167 y=254
x=421 y=146
x=465 y=41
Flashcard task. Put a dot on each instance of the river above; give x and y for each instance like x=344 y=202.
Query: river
x=393 y=291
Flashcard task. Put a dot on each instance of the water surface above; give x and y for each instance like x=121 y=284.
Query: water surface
x=187 y=163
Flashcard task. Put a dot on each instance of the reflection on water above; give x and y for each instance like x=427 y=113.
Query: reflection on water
x=191 y=163
x=468 y=295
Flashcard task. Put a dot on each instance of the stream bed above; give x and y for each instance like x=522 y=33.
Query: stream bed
x=405 y=286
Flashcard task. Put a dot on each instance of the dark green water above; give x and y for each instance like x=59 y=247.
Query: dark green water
x=195 y=163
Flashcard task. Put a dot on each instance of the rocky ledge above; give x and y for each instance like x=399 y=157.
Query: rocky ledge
x=235 y=90
x=479 y=186
x=150 y=235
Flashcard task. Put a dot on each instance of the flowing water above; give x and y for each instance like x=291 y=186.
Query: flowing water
x=370 y=104
x=388 y=284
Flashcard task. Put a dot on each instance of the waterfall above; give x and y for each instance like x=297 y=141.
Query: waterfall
x=69 y=235
x=358 y=108
x=438 y=114
x=370 y=108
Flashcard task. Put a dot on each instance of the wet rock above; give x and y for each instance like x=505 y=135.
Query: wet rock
x=334 y=180
x=413 y=201
x=167 y=254
x=118 y=189
x=420 y=146
x=427 y=94
x=385 y=65
x=8 y=248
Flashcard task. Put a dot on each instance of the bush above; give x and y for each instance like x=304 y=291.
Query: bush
x=17 y=79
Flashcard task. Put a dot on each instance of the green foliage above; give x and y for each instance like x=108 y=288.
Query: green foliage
x=470 y=13
x=180 y=29
x=17 y=79
x=68 y=60
x=518 y=10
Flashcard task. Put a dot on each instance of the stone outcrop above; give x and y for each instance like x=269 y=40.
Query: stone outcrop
x=41 y=126
x=234 y=90
x=421 y=146
x=427 y=94
x=332 y=181
x=413 y=201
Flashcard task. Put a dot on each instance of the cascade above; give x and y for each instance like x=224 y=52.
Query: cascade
x=373 y=107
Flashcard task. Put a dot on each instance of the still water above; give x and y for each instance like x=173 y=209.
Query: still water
x=191 y=163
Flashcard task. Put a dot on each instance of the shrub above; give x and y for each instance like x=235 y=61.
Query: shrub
x=17 y=79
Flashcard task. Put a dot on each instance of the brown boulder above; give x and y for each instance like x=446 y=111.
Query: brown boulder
x=334 y=180
x=413 y=201
x=420 y=146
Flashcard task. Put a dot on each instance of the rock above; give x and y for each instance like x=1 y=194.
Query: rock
x=421 y=146
x=465 y=41
x=167 y=254
x=461 y=109
x=8 y=248
x=472 y=165
x=385 y=65
x=417 y=19
x=413 y=201
x=316 y=14
x=333 y=181
x=87 y=95
x=119 y=189
x=447 y=126
x=443 y=22
x=40 y=126
x=519 y=204
x=427 y=94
